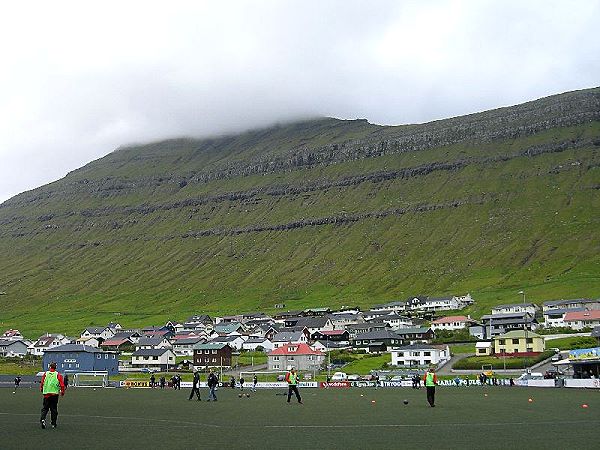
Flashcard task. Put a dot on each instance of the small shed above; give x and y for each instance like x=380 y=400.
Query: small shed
x=483 y=348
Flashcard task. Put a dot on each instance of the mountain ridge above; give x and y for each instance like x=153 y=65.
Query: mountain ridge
x=318 y=212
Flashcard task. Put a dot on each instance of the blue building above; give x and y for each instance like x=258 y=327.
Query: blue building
x=72 y=358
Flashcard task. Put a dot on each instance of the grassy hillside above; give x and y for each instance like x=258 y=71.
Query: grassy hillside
x=321 y=212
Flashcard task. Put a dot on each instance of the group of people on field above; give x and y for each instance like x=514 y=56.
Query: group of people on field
x=53 y=386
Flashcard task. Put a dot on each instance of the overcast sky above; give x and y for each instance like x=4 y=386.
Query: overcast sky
x=78 y=78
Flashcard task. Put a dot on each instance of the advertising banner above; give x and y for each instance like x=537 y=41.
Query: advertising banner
x=584 y=353
x=403 y=383
x=135 y=384
x=579 y=383
x=334 y=384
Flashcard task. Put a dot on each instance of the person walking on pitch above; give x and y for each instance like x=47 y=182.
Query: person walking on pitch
x=430 y=379
x=292 y=379
x=212 y=383
x=52 y=385
x=254 y=383
x=195 y=386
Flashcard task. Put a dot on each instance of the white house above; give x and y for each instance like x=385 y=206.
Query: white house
x=99 y=333
x=89 y=342
x=451 y=323
x=584 y=303
x=294 y=337
x=416 y=355
x=46 y=342
x=439 y=303
x=582 y=319
x=185 y=346
x=342 y=319
x=514 y=308
x=395 y=322
x=555 y=318
x=395 y=307
x=152 y=342
x=12 y=335
x=255 y=342
x=157 y=358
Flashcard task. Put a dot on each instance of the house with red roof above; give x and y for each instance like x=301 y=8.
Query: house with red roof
x=451 y=323
x=578 y=320
x=300 y=356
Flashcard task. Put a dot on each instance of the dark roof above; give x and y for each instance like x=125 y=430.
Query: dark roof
x=225 y=338
x=151 y=352
x=188 y=341
x=596 y=332
x=568 y=302
x=379 y=334
x=76 y=348
x=7 y=342
x=413 y=330
x=95 y=330
x=312 y=322
x=553 y=312
x=510 y=305
x=150 y=340
x=420 y=347
x=287 y=336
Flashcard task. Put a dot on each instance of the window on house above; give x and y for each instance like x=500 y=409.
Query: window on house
x=106 y=356
x=214 y=352
x=502 y=341
x=214 y=360
x=426 y=353
x=515 y=341
x=529 y=340
x=155 y=358
x=98 y=356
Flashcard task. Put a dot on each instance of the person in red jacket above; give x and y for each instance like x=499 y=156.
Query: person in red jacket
x=52 y=385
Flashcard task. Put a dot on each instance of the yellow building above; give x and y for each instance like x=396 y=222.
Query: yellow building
x=519 y=342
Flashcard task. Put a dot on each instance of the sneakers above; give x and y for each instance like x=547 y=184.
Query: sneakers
x=43 y=424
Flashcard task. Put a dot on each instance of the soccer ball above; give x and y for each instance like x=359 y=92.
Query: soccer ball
x=405 y=402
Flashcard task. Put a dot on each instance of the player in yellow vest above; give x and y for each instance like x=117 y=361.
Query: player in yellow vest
x=52 y=385
x=430 y=379
x=292 y=379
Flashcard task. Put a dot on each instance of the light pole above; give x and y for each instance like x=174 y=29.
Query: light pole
x=525 y=328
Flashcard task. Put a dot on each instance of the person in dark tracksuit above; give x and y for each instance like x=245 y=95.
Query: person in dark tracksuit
x=430 y=379
x=195 y=386
x=52 y=385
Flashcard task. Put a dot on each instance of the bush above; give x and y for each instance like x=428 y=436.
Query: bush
x=561 y=330
x=450 y=336
x=475 y=362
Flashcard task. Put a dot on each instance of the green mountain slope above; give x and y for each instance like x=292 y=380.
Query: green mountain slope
x=319 y=212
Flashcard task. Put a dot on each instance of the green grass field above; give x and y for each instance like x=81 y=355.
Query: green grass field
x=463 y=418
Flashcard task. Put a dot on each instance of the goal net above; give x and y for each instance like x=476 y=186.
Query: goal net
x=90 y=379
x=262 y=376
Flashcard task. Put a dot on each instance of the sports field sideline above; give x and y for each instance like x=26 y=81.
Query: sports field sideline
x=490 y=417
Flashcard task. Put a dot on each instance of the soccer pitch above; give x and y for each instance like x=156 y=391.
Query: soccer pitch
x=476 y=417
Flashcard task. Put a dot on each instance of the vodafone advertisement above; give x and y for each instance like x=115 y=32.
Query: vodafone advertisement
x=334 y=384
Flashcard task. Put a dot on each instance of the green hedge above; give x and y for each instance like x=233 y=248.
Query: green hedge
x=475 y=362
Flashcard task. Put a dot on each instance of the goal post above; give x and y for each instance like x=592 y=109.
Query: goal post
x=90 y=379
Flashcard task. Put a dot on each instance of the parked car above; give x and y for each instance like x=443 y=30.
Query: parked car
x=339 y=376
x=353 y=377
